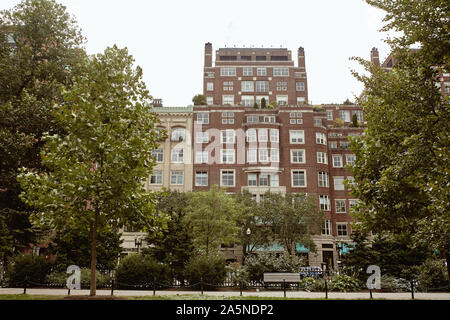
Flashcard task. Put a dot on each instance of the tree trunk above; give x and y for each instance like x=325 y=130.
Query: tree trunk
x=93 y=284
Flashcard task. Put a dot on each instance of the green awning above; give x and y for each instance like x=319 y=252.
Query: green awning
x=301 y=248
x=346 y=247
x=273 y=247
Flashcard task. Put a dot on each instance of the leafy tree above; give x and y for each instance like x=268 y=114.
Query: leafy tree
x=174 y=245
x=402 y=162
x=72 y=247
x=98 y=167
x=263 y=103
x=44 y=55
x=208 y=269
x=294 y=218
x=213 y=217
x=28 y=268
x=347 y=102
x=355 y=121
x=199 y=100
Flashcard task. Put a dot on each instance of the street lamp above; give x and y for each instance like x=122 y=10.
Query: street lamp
x=248 y=232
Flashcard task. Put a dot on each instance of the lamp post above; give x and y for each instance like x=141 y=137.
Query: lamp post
x=138 y=242
x=248 y=233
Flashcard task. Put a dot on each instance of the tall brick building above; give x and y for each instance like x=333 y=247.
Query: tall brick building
x=293 y=147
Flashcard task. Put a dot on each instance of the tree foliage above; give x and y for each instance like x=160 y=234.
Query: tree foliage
x=199 y=100
x=96 y=169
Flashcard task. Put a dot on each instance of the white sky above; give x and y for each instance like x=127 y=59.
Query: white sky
x=167 y=37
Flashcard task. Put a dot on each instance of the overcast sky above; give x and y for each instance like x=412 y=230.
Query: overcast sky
x=167 y=37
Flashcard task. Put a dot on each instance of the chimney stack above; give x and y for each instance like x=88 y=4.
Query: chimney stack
x=374 y=57
x=208 y=55
x=301 y=59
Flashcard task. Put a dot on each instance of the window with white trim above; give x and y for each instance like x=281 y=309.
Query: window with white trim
x=247 y=86
x=252 y=119
x=262 y=86
x=280 y=72
x=274 y=135
x=339 y=183
x=210 y=86
x=281 y=86
x=178 y=134
x=269 y=119
x=227 y=155
x=359 y=115
x=201 y=178
x=326 y=229
x=176 y=177
x=259 y=98
x=228 y=99
x=251 y=155
x=350 y=159
x=228 y=136
x=252 y=179
x=227 y=178
x=274 y=180
x=297 y=136
x=324 y=202
x=177 y=155
x=263 y=179
x=262 y=135
x=156 y=178
x=209 y=101
x=263 y=155
x=298 y=178
x=224 y=72
x=352 y=203
x=337 y=161
x=322 y=157
x=344 y=115
x=340 y=206
x=261 y=71
x=301 y=101
x=248 y=101
x=282 y=100
x=341 y=229
x=247 y=71
x=274 y=155
x=330 y=115
x=297 y=156
x=300 y=86
x=158 y=155
x=202 y=137
x=323 y=179
x=321 y=138
x=228 y=86
x=201 y=157
x=251 y=135
x=203 y=118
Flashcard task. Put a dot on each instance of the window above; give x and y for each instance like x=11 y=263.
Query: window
x=261 y=58
x=262 y=135
x=158 y=155
x=281 y=86
x=247 y=101
x=251 y=135
x=300 y=86
x=298 y=178
x=228 y=99
x=227 y=117
x=322 y=157
x=177 y=155
x=262 y=86
x=280 y=72
x=227 y=178
x=326 y=229
x=263 y=155
x=259 y=98
x=350 y=159
x=340 y=206
x=252 y=179
x=324 y=202
x=247 y=86
x=282 y=100
x=297 y=156
x=201 y=157
x=246 y=58
x=261 y=72
x=301 y=101
x=227 y=155
x=201 y=179
x=210 y=86
x=341 y=229
x=263 y=179
x=330 y=115
x=178 y=134
x=202 y=137
x=339 y=183
x=344 y=115
x=321 y=138
x=274 y=155
x=228 y=71
x=246 y=71
x=337 y=161
x=209 y=101
x=228 y=136
x=323 y=179
x=359 y=115
x=297 y=137
x=274 y=180
x=352 y=203
x=344 y=144
x=317 y=122
x=251 y=155
x=274 y=135
x=447 y=87
x=202 y=118
x=228 y=86
x=176 y=177
x=252 y=119
x=156 y=177
x=333 y=145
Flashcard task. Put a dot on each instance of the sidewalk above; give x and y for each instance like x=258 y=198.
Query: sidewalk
x=221 y=294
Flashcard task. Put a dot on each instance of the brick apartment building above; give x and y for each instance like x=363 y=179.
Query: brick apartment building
x=293 y=147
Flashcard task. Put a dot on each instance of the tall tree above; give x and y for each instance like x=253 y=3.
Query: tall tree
x=40 y=48
x=173 y=245
x=294 y=217
x=213 y=217
x=97 y=168
x=402 y=162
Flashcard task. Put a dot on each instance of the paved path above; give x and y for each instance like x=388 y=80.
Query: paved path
x=219 y=294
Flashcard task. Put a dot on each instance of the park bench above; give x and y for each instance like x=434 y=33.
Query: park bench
x=283 y=278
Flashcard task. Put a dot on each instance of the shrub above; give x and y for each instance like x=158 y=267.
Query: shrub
x=138 y=270
x=312 y=284
x=239 y=275
x=59 y=278
x=266 y=262
x=210 y=269
x=433 y=276
x=32 y=268
x=344 y=283
x=338 y=122
x=393 y=284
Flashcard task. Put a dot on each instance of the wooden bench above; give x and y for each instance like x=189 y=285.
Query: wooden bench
x=283 y=278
